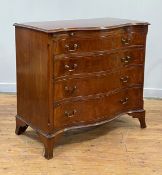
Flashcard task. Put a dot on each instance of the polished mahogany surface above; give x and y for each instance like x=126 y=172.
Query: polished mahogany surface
x=81 y=24
x=77 y=74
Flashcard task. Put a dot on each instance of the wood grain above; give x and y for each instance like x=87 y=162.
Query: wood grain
x=98 y=83
x=98 y=62
x=97 y=42
x=82 y=24
x=33 y=65
x=94 y=110
x=118 y=147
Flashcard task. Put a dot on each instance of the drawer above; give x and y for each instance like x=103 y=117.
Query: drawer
x=86 y=111
x=98 y=42
x=98 y=62
x=103 y=33
x=98 y=83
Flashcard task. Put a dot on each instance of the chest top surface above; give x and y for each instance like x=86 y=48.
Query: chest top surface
x=80 y=24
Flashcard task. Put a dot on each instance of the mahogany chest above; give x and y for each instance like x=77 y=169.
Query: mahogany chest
x=78 y=73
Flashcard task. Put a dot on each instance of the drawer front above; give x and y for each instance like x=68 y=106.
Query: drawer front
x=75 y=45
x=98 y=43
x=98 y=83
x=87 y=111
x=129 y=39
x=98 y=62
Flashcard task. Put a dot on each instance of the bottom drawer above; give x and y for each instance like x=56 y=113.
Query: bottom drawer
x=104 y=106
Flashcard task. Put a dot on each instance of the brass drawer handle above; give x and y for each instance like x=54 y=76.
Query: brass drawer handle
x=126 y=41
x=71 y=48
x=70 y=90
x=70 y=114
x=71 y=34
x=124 y=101
x=71 y=68
x=124 y=79
x=126 y=59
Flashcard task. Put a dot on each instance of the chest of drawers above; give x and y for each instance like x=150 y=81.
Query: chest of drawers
x=77 y=74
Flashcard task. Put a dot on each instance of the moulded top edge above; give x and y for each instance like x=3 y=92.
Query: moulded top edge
x=81 y=24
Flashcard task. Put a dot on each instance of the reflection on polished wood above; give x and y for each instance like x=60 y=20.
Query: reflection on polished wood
x=118 y=147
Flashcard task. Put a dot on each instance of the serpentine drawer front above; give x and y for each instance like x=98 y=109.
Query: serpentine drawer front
x=98 y=83
x=77 y=74
x=98 y=41
x=97 y=108
x=83 y=64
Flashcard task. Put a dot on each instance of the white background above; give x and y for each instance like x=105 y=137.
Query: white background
x=12 y=11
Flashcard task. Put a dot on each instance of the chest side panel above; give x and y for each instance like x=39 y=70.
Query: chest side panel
x=33 y=77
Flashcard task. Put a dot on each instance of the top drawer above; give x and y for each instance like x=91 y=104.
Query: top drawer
x=97 y=41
